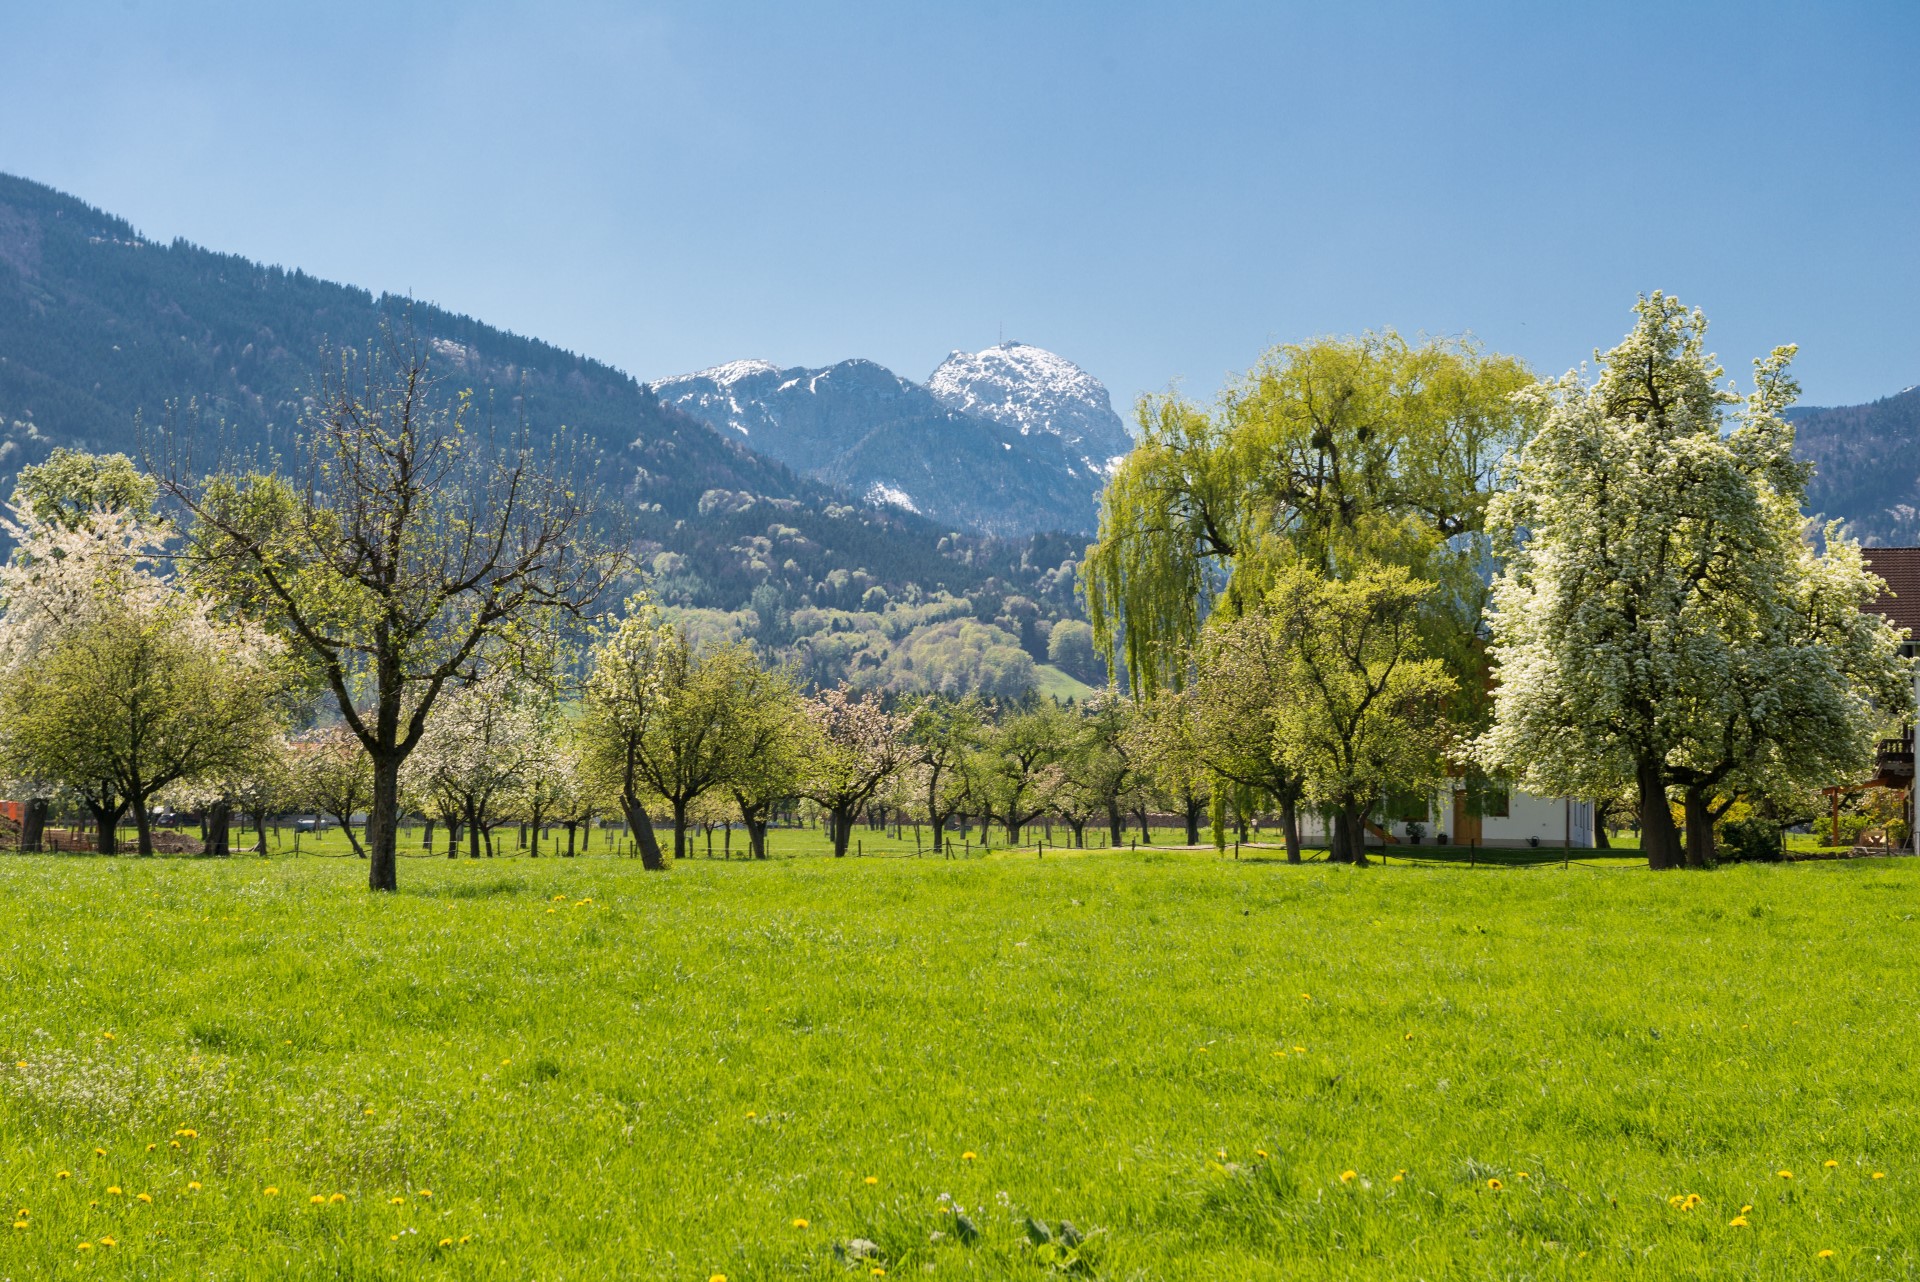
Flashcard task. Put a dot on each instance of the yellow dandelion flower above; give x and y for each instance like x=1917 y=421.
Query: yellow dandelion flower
x=969 y=1156
x=1826 y=1255
x=1745 y=1209
x=1259 y=1152
x=108 y=1036
x=1347 y=1177
x=318 y=1199
x=426 y=1193
x=1674 y=1200
x=553 y=910
x=1879 y=1175
x=1280 y=1054
x=718 y=1277
x=84 y=1246
x=143 y=1197
x=879 y=1272
x=271 y=1191
x=465 y=1238
x=99 y=1152
x=67 y=1175
x=152 y=1147
x=187 y=1134
x=170 y=1144
x=193 y=1186
x=397 y=1201
x=799 y=1224
x=446 y=1241
x=873 y=1179
x=1785 y=1175
x=337 y=1198
x=1495 y=1185
x=21 y=1224
x=21 y=1064
x=1830 y=1164
x=1299 y=1050
x=1523 y=1175
x=367 y=1112
x=393 y=1237
x=1737 y=1222
x=1399 y=1177
x=113 y=1190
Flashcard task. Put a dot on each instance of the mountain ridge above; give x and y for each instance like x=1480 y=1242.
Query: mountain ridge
x=1013 y=441
x=100 y=327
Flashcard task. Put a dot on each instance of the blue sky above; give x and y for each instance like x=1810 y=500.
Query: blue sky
x=1156 y=191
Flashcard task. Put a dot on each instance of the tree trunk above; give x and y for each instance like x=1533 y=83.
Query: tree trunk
x=453 y=837
x=1600 y=838
x=473 y=835
x=1356 y=824
x=572 y=825
x=143 y=826
x=219 y=824
x=756 y=837
x=1657 y=835
x=641 y=825
x=1079 y=827
x=1699 y=829
x=680 y=831
x=1116 y=826
x=1290 y=827
x=1193 y=805
x=426 y=840
x=260 y=832
x=840 y=820
x=383 y=824
x=33 y=825
x=107 y=826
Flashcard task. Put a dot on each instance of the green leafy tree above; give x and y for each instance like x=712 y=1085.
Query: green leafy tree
x=771 y=748
x=332 y=774
x=72 y=485
x=1365 y=707
x=1661 y=621
x=1336 y=453
x=662 y=720
x=1240 y=692
x=945 y=736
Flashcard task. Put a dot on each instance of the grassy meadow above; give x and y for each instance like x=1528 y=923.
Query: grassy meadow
x=1211 y=1068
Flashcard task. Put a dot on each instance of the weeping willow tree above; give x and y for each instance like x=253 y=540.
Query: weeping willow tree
x=1339 y=454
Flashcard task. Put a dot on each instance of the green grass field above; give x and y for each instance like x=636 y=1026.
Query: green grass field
x=1213 y=1069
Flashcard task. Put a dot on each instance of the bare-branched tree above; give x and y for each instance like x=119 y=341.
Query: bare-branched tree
x=398 y=552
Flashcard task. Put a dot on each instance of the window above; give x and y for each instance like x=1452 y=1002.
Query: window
x=1404 y=806
x=1486 y=798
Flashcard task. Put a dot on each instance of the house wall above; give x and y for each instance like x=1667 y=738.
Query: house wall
x=1528 y=816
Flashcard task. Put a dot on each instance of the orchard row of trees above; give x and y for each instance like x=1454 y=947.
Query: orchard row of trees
x=1380 y=564
x=1376 y=565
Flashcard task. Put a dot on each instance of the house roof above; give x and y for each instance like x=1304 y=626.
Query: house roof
x=1899 y=601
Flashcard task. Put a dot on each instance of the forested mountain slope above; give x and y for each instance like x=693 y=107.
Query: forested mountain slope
x=100 y=328
x=1866 y=466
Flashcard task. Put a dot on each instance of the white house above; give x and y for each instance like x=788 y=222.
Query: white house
x=1483 y=813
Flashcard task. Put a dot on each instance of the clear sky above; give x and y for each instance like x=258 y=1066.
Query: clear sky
x=1155 y=191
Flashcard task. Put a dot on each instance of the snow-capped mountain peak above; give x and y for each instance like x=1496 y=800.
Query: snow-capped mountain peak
x=1034 y=390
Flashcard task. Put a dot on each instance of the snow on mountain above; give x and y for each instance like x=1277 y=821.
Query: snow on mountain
x=1034 y=390
x=860 y=426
